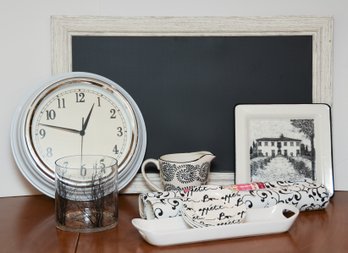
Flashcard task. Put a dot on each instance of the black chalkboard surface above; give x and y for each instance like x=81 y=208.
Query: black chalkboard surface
x=187 y=87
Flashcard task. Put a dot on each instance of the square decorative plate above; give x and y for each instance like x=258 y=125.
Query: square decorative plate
x=284 y=142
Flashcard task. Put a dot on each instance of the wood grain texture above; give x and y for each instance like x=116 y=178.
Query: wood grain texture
x=27 y=225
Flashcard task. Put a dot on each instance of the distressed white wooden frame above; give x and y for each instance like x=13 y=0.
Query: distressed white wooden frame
x=63 y=28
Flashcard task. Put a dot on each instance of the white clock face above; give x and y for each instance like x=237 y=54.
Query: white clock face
x=77 y=113
x=80 y=118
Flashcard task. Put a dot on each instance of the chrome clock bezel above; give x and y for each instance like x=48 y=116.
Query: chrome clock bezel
x=26 y=157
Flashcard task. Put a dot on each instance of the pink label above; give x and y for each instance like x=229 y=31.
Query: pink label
x=247 y=187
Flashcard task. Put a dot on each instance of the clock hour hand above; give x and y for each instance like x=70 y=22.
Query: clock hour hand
x=62 y=128
x=85 y=123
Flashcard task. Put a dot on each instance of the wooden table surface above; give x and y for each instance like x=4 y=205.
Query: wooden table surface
x=27 y=224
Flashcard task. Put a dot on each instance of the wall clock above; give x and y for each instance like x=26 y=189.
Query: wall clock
x=77 y=113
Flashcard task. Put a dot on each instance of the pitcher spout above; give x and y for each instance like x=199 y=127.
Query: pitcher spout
x=206 y=156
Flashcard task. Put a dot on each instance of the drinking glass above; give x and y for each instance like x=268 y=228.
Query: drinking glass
x=86 y=197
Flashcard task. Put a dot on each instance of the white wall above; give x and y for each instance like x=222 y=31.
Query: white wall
x=25 y=56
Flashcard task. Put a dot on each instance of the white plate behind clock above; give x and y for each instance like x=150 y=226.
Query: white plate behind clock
x=77 y=113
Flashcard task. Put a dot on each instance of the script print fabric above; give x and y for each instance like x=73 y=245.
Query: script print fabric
x=305 y=195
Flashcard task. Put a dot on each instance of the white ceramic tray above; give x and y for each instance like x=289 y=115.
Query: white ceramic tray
x=260 y=221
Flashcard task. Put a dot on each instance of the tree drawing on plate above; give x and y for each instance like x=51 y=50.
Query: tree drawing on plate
x=281 y=149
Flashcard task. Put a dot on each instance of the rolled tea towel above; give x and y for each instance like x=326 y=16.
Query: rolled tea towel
x=305 y=195
x=156 y=205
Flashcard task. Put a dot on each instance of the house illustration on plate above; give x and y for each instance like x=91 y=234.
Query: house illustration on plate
x=278 y=146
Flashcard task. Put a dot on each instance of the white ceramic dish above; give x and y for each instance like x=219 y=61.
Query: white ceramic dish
x=172 y=231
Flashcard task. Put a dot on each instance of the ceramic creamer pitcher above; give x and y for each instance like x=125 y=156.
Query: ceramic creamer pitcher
x=180 y=170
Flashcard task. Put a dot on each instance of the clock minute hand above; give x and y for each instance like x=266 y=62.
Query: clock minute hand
x=84 y=125
x=62 y=128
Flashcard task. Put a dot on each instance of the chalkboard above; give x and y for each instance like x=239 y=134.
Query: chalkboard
x=187 y=87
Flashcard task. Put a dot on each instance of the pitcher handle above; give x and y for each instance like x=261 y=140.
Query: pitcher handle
x=147 y=180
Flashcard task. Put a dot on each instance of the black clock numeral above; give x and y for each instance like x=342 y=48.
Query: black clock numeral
x=113 y=114
x=50 y=114
x=102 y=165
x=80 y=97
x=119 y=131
x=61 y=103
x=99 y=102
x=115 y=150
x=49 y=152
x=83 y=170
x=42 y=133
